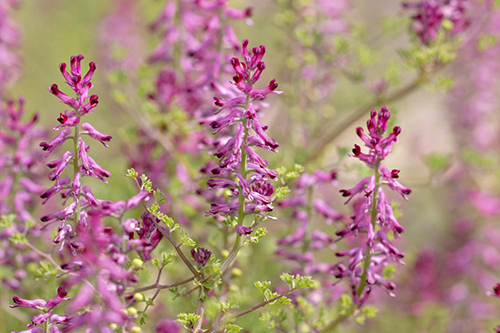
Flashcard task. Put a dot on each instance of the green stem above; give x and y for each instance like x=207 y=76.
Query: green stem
x=76 y=168
x=200 y=309
x=373 y=220
x=366 y=264
x=241 y=198
x=157 y=285
x=249 y=310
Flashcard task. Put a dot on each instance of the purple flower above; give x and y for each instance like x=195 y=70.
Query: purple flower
x=61 y=296
x=201 y=256
x=243 y=230
x=240 y=114
x=93 y=133
x=374 y=217
x=57 y=141
x=33 y=304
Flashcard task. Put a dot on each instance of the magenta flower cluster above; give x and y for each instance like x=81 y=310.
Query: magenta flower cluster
x=241 y=170
x=82 y=198
x=374 y=220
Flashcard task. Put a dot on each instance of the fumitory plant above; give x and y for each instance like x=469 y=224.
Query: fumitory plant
x=195 y=195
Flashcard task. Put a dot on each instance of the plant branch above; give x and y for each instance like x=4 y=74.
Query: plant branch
x=249 y=310
x=161 y=286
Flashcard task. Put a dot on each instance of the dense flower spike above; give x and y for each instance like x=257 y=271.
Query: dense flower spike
x=88 y=250
x=433 y=16
x=252 y=192
x=374 y=216
x=83 y=165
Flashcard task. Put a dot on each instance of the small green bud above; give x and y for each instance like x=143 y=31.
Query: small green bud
x=139 y=297
x=132 y=311
x=136 y=329
x=137 y=263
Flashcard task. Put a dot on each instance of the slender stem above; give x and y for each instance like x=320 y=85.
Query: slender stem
x=45 y=255
x=249 y=310
x=241 y=198
x=160 y=286
x=76 y=168
x=200 y=310
x=373 y=220
x=366 y=264
x=177 y=248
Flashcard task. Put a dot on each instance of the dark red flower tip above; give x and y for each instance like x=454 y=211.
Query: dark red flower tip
x=62 y=118
x=406 y=191
x=54 y=89
x=94 y=99
x=218 y=102
x=273 y=85
x=249 y=11
x=356 y=150
x=237 y=78
x=345 y=193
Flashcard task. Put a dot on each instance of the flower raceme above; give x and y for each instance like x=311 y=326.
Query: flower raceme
x=89 y=250
x=241 y=170
x=83 y=164
x=374 y=221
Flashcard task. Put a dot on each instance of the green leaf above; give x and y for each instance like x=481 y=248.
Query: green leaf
x=186 y=239
x=131 y=173
x=262 y=285
x=187 y=320
x=231 y=328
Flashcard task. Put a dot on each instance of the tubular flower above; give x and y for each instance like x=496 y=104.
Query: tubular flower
x=374 y=218
x=82 y=164
x=201 y=256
